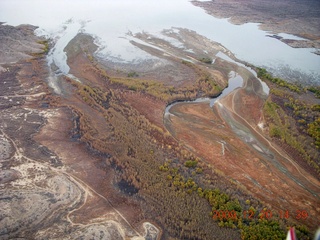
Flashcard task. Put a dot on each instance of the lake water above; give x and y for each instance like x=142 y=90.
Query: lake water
x=110 y=21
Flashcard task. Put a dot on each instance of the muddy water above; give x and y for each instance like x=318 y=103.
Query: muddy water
x=110 y=21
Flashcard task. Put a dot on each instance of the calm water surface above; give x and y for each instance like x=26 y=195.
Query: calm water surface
x=110 y=21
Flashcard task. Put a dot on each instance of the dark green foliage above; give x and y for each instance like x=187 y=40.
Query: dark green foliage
x=182 y=205
x=293 y=117
x=44 y=51
x=219 y=201
x=191 y=163
x=263 y=229
x=316 y=108
x=264 y=75
x=206 y=60
x=169 y=198
x=133 y=74
x=45 y=43
x=315 y=90
x=314 y=131
x=302 y=232
x=164 y=167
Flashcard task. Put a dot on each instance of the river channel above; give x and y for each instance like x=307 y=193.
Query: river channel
x=235 y=81
x=241 y=128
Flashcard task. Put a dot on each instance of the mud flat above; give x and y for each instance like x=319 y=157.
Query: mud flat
x=247 y=41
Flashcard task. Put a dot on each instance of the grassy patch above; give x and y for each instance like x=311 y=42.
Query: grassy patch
x=149 y=86
x=182 y=189
x=133 y=74
x=228 y=212
x=45 y=49
x=206 y=60
x=315 y=90
x=264 y=75
x=292 y=120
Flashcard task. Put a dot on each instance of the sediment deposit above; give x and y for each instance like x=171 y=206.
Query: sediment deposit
x=92 y=154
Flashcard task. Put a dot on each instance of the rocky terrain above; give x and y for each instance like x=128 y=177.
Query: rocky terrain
x=39 y=192
x=18 y=43
x=92 y=154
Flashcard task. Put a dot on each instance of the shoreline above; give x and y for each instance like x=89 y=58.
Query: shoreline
x=244 y=13
x=115 y=153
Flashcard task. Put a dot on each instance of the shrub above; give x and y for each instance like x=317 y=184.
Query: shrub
x=206 y=60
x=191 y=163
x=133 y=74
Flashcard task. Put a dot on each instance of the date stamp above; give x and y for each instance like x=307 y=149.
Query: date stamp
x=263 y=214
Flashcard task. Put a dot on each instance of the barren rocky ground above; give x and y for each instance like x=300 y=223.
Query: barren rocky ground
x=40 y=161
x=18 y=43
